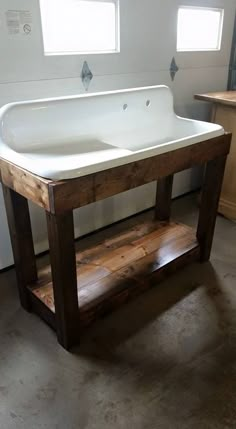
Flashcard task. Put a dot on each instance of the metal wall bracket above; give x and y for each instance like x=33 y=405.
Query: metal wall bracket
x=86 y=76
x=173 y=69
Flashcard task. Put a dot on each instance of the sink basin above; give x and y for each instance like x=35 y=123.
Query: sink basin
x=63 y=138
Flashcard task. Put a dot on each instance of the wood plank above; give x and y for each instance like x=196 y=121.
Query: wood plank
x=210 y=196
x=86 y=273
x=88 y=269
x=30 y=186
x=124 y=289
x=63 y=263
x=118 y=258
x=104 y=184
x=227 y=98
x=105 y=282
x=163 y=197
x=135 y=274
x=42 y=310
x=22 y=242
x=163 y=237
x=73 y=193
x=118 y=240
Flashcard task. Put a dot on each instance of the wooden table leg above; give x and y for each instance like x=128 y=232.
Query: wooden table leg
x=163 y=198
x=63 y=263
x=18 y=217
x=211 y=190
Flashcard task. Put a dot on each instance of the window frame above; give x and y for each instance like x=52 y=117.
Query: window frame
x=220 y=31
x=81 y=53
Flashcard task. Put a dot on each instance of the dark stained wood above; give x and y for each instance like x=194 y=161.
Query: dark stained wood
x=107 y=275
x=70 y=194
x=163 y=197
x=22 y=242
x=210 y=196
x=78 y=288
x=42 y=310
x=126 y=237
x=63 y=265
x=120 y=290
x=27 y=184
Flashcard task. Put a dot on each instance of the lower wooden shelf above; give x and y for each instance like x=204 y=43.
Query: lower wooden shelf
x=121 y=267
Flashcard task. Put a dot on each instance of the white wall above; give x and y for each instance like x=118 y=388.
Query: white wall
x=148 y=40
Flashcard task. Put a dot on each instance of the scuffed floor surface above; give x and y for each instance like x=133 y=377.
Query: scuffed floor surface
x=165 y=361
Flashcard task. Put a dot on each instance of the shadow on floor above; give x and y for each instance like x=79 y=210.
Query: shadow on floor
x=108 y=333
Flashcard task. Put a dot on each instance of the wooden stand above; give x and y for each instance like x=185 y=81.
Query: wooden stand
x=79 y=287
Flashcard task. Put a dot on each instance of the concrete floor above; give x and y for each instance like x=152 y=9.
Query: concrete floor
x=165 y=361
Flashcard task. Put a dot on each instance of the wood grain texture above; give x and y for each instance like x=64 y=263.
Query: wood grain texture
x=63 y=264
x=30 y=186
x=214 y=175
x=107 y=274
x=43 y=311
x=163 y=197
x=22 y=242
x=74 y=193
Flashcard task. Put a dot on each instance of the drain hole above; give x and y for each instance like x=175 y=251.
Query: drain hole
x=148 y=102
x=125 y=107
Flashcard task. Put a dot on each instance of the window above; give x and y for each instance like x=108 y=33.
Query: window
x=199 y=29
x=80 y=26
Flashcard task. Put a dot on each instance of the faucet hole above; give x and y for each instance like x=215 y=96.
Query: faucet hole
x=125 y=106
x=148 y=103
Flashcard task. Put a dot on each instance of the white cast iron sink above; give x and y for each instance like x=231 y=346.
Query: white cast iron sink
x=68 y=137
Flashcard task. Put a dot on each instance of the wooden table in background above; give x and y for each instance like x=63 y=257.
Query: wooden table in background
x=224 y=113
